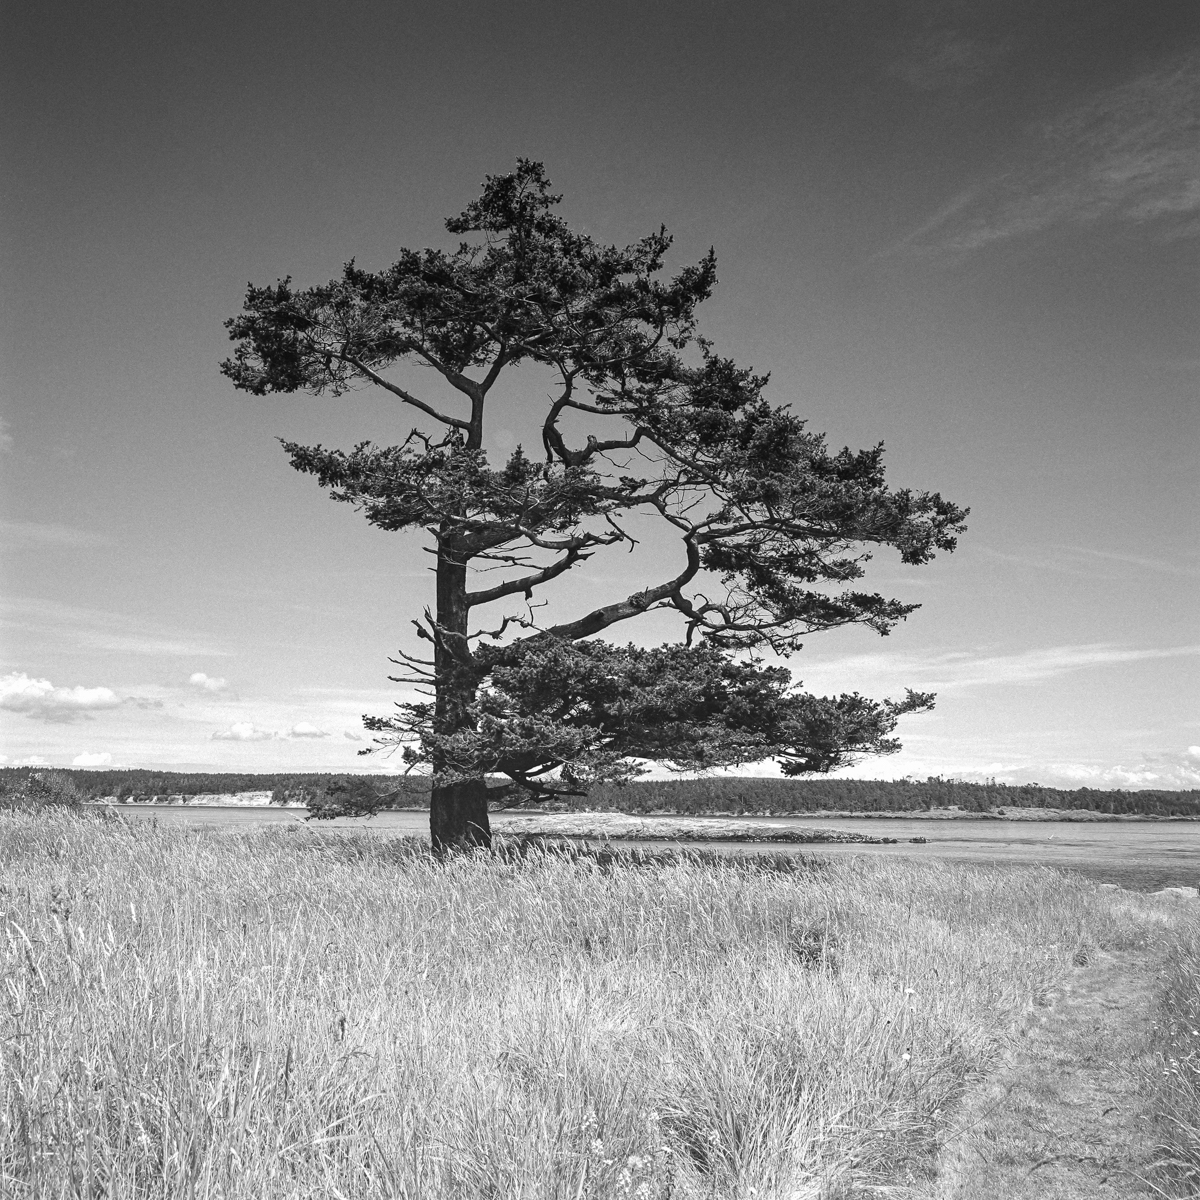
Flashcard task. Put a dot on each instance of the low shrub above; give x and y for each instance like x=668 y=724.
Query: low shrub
x=42 y=790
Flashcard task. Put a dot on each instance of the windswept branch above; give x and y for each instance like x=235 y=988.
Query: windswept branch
x=528 y=582
x=556 y=446
x=407 y=397
x=631 y=606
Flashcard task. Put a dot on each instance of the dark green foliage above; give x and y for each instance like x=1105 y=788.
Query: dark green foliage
x=772 y=530
x=589 y=708
x=357 y=796
x=32 y=788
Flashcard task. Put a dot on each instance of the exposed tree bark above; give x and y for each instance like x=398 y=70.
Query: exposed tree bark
x=458 y=815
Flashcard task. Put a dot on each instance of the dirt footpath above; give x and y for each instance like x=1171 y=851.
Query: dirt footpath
x=1063 y=1119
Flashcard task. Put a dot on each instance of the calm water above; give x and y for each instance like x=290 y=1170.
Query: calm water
x=1144 y=855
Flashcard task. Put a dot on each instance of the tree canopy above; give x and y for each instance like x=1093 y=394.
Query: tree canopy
x=772 y=529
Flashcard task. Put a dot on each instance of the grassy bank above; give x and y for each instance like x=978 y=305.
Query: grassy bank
x=284 y=1013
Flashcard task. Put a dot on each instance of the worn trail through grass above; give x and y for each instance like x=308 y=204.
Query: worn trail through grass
x=1066 y=1114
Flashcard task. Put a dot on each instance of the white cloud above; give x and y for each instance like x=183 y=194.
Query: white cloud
x=207 y=682
x=41 y=699
x=3 y=759
x=1167 y=772
x=1103 y=775
x=244 y=731
x=1194 y=752
x=91 y=760
x=1155 y=772
x=351 y=737
x=34 y=760
x=305 y=730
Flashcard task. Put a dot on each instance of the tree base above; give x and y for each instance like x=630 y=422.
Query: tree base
x=458 y=817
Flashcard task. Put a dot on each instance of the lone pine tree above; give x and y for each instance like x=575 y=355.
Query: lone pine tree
x=771 y=530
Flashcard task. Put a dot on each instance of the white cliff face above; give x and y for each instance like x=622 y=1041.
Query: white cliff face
x=209 y=799
x=248 y=799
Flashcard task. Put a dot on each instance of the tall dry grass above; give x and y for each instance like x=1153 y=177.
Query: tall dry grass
x=1175 y=1083
x=297 y=1014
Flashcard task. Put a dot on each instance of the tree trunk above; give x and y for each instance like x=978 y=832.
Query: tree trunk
x=458 y=817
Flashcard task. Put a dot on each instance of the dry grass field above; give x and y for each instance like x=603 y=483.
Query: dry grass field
x=288 y=1013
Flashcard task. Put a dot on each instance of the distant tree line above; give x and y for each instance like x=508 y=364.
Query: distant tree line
x=326 y=794
x=148 y=787
x=749 y=796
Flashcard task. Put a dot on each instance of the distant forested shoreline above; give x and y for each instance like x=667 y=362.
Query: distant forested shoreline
x=718 y=794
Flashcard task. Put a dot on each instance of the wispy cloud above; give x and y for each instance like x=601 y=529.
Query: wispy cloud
x=29 y=535
x=1039 y=560
x=139 y=644
x=1032 y=665
x=1158 y=565
x=97 y=629
x=967 y=669
x=943 y=58
x=1131 y=154
x=352 y=703
x=1084 y=561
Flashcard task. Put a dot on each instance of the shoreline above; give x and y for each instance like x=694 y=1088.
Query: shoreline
x=624 y=827
x=1082 y=815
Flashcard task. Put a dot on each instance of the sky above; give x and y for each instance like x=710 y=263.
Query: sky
x=967 y=230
